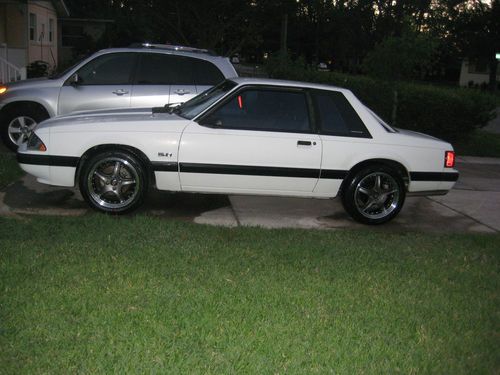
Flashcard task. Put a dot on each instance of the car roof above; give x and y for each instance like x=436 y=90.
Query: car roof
x=196 y=55
x=279 y=82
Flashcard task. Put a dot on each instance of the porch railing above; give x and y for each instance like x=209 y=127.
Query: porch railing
x=9 y=72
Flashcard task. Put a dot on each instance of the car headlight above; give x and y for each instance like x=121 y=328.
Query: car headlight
x=35 y=143
x=3 y=89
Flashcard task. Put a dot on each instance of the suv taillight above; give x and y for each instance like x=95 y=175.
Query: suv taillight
x=449 y=159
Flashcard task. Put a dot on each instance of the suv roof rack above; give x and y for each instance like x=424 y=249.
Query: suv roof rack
x=172 y=47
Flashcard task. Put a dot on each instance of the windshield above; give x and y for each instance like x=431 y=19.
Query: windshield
x=198 y=104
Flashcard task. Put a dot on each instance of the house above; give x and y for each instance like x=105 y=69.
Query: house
x=475 y=73
x=28 y=33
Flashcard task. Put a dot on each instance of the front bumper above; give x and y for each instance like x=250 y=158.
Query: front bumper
x=49 y=169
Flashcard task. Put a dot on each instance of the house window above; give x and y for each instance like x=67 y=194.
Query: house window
x=42 y=34
x=32 y=26
x=51 y=30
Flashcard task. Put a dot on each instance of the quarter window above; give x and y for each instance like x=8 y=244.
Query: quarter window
x=337 y=116
x=263 y=109
x=109 y=69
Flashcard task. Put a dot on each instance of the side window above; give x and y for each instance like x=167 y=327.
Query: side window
x=109 y=69
x=264 y=109
x=337 y=116
x=163 y=69
x=206 y=73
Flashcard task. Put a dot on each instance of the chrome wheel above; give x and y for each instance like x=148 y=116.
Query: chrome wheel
x=20 y=129
x=376 y=195
x=113 y=183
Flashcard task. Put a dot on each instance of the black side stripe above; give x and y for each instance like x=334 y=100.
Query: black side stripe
x=51 y=160
x=72 y=161
x=333 y=174
x=248 y=170
x=434 y=176
x=169 y=166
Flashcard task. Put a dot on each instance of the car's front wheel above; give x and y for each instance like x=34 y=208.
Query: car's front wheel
x=113 y=182
x=18 y=122
x=374 y=195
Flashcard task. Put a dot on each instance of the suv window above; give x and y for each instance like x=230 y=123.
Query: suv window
x=163 y=69
x=264 y=109
x=206 y=73
x=109 y=69
x=337 y=117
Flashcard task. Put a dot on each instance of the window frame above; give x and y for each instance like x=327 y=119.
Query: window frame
x=130 y=79
x=51 y=30
x=314 y=93
x=32 y=26
x=201 y=118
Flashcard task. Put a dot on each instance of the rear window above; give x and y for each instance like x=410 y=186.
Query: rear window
x=337 y=117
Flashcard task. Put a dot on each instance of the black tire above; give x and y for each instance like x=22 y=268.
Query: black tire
x=22 y=118
x=374 y=195
x=113 y=182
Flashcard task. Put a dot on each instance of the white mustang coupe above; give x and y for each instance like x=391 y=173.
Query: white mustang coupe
x=244 y=136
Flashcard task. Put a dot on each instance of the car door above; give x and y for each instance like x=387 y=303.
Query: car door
x=161 y=79
x=104 y=82
x=257 y=141
x=183 y=86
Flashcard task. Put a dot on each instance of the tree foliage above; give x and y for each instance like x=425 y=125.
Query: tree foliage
x=344 y=33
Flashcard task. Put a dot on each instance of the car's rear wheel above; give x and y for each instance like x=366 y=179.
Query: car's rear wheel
x=374 y=195
x=113 y=182
x=18 y=122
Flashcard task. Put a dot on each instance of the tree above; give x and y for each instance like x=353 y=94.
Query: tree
x=399 y=58
x=477 y=33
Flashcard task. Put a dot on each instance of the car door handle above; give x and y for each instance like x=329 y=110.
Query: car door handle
x=182 y=92
x=120 y=92
x=304 y=143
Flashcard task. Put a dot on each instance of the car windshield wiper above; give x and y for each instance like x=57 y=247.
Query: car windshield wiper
x=167 y=108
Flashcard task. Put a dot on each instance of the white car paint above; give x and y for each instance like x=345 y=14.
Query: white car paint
x=184 y=142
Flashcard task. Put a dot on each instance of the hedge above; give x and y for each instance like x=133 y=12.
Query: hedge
x=448 y=113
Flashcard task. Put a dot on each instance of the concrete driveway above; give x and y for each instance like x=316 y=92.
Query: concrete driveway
x=473 y=206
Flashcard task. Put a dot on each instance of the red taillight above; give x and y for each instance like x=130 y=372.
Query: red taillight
x=240 y=102
x=449 y=159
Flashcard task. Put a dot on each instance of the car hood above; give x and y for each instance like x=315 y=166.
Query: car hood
x=107 y=112
x=33 y=83
x=113 y=120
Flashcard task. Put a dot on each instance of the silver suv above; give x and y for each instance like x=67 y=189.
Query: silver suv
x=146 y=76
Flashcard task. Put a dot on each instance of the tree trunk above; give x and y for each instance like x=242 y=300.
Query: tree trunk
x=493 y=74
x=394 y=107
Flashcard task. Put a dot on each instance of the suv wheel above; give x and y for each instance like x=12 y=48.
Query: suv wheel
x=18 y=123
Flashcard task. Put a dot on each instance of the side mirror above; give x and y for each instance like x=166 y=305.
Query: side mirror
x=74 y=80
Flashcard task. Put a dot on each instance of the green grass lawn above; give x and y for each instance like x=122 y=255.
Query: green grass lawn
x=99 y=294
x=480 y=143
x=9 y=169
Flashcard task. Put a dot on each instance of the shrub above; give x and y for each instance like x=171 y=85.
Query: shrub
x=448 y=113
